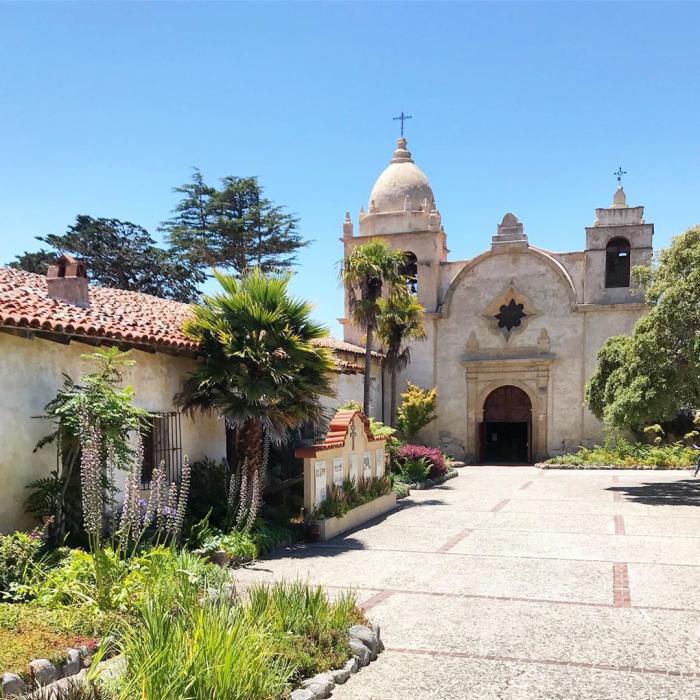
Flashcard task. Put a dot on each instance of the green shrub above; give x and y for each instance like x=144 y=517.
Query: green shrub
x=19 y=554
x=401 y=489
x=412 y=471
x=239 y=546
x=417 y=409
x=208 y=493
x=624 y=454
x=128 y=582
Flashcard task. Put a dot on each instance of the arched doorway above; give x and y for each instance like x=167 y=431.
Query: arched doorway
x=505 y=434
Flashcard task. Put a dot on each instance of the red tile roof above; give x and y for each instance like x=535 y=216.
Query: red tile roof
x=338 y=433
x=131 y=317
x=116 y=314
x=342 y=346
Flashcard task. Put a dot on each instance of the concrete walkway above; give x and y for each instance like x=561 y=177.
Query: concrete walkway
x=511 y=582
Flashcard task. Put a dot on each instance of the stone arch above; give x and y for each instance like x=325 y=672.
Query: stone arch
x=487 y=390
x=556 y=266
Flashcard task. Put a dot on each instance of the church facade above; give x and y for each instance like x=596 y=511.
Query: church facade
x=513 y=333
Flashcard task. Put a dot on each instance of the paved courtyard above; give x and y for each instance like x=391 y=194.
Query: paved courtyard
x=511 y=582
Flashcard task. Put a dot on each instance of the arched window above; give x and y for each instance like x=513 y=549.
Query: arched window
x=617 y=263
x=410 y=271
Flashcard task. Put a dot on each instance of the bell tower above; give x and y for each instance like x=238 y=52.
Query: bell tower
x=402 y=211
x=618 y=241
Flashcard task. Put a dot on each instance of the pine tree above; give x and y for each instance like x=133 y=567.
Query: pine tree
x=233 y=227
x=122 y=255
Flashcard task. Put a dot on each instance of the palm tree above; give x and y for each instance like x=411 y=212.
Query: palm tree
x=400 y=319
x=364 y=273
x=259 y=368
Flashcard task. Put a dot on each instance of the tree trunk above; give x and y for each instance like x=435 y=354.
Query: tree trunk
x=250 y=448
x=392 y=389
x=368 y=369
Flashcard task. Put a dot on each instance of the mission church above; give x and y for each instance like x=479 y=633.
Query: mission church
x=513 y=333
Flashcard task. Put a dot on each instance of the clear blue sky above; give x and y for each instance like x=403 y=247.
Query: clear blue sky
x=517 y=107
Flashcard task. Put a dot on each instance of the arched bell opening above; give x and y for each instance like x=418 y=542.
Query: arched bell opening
x=617 y=263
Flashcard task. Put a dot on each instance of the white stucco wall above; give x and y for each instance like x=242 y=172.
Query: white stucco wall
x=350 y=387
x=30 y=373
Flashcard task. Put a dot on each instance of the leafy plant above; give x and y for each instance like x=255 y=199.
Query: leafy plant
x=417 y=409
x=351 y=494
x=625 y=454
x=400 y=320
x=433 y=456
x=220 y=646
x=19 y=554
x=239 y=546
x=260 y=371
x=412 y=471
x=365 y=273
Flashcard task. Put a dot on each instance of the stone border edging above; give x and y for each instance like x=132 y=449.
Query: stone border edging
x=366 y=644
x=51 y=681
x=429 y=483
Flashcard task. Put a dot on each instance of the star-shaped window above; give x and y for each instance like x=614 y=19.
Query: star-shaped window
x=510 y=315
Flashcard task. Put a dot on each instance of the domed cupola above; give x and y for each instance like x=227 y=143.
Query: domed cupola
x=401 y=200
x=403 y=186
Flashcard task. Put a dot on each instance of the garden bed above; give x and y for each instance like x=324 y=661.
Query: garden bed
x=600 y=467
x=623 y=454
x=326 y=528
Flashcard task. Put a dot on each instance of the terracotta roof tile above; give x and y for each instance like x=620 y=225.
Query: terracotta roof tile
x=342 y=346
x=117 y=314
x=337 y=434
x=113 y=313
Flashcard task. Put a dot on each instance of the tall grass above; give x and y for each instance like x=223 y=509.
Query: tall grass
x=199 y=653
x=190 y=647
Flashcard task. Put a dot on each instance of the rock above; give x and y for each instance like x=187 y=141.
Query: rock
x=43 y=671
x=341 y=675
x=360 y=652
x=302 y=694
x=220 y=557
x=366 y=636
x=321 y=685
x=377 y=632
x=72 y=664
x=12 y=684
x=352 y=666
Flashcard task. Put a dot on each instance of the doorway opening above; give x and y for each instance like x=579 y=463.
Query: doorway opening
x=505 y=435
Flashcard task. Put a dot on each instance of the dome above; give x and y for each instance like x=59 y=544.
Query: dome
x=403 y=186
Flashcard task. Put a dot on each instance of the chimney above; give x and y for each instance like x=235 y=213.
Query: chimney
x=67 y=281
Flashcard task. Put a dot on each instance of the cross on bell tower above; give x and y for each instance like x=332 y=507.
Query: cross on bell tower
x=618 y=174
x=402 y=118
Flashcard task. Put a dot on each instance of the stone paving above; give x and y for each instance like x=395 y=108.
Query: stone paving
x=512 y=582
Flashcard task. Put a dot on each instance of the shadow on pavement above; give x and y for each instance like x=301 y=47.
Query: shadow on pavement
x=675 y=493
x=345 y=540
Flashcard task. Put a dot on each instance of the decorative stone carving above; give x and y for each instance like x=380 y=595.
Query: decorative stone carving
x=472 y=344
x=509 y=312
x=543 y=342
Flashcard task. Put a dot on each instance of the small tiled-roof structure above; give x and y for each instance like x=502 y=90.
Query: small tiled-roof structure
x=113 y=314
x=337 y=433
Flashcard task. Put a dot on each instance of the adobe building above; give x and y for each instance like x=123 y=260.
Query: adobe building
x=513 y=333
